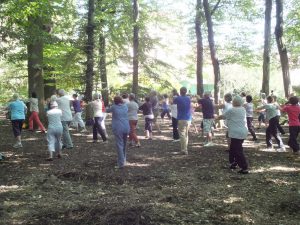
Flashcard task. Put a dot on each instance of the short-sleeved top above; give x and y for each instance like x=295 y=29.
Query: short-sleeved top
x=249 y=109
x=293 y=112
x=271 y=110
x=34 y=105
x=54 y=119
x=146 y=108
x=207 y=108
x=133 y=109
x=183 y=108
x=17 y=110
x=237 y=123
x=173 y=108
x=120 y=122
x=97 y=108
x=227 y=106
x=76 y=106
x=64 y=105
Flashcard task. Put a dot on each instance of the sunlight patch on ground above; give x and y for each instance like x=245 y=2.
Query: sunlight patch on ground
x=276 y=169
x=280 y=182
x=31 y=139
x=231 y=200
x=137 y=164
x=5 y=188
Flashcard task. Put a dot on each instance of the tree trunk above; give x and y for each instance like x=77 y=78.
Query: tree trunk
x=266 y=56
x=282 y=49
x=102 y=67
x=90 y=51
x=213 y=53
x=198 y=29
x=135 y=74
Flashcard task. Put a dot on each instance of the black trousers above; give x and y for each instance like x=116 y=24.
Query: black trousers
x=272 y=131
x=175 y=128
x=236 y=153
x=294 y=132
x=251 y=127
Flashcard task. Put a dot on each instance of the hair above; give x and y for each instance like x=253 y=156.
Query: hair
x=131 y=96
x=165 y=96
x=237 y=101
x=33 y=95
x=75 y=95
x=243 y=94
x=294 y=100
x=61 y=92
x=96 y=96
x=263 y=95
x=118 y=100
x=183 y=91
x=175 y=92
x=15 y=96
x=249 y=98
x=270 y=99
x=147 y=99
x=207 y=94
x=153 y=93
x=228 y=97
x=125 y=95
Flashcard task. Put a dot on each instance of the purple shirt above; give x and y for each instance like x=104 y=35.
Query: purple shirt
x=207 y=108
x=76 y=106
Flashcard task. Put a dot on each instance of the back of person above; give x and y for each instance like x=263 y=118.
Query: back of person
x=249 y=109
x=97 y=108
x=207 y=108
x=76 y=105
x=54 y=118
x=271 y=110
x=183 y=107
x=64 y=105
x=293 y=112
x=120 y=118
x=17 y=110
x=133 y=108
x=237 y=124
x=34 y=105
x=146 y=108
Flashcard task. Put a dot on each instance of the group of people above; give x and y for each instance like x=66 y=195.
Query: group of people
x=237 y=113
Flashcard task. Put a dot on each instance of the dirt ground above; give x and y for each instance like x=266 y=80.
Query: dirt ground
x=158 y=186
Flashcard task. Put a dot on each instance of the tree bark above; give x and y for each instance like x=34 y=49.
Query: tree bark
x=282 y=49
x=102 y=67
x=198 y=29
x=267 y=43
x=213 y=53
x=135 y=74
x=89 y=75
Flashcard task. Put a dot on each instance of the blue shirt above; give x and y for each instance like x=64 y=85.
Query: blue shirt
x=183 y=108
x=120 y=122
x=17 y=109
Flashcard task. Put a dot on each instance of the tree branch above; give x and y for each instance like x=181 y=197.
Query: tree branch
x=215 y=7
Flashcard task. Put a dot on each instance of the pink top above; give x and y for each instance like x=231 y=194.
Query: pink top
x=293 y=112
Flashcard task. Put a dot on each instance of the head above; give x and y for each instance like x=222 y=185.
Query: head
x=33 y=95
x=147 y=99
x=165 y=96
x=249 y=98
x=270 y=99
x=53 y=98
x=125 y=96
x=96 y=96
x=263 y=95
x=237 y=101
x=243 y=94
x=118 y=100
x=175 y=92
x=131 y=97
x=183 y=91
x=294 y=100
x=53 y=104
x=61 y=92
x=207 y=94
x=75 y=96
x=228 y=97
x=153 y=93
x=15 y=97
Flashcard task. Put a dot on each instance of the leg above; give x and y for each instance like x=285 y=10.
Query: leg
x=273 y=129
x=251 y=128
x=237 y=147
x=175 y=128
x=99 y=129
x=67 y=141
x=268 y=137
x=294 y=131
x=30 y=121
x=183 y=127
x=279 y=127
x=120 y=149
x=37 y=120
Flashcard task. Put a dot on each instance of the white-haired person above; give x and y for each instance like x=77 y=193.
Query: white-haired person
x=64 y=104
x=237 y=132
x=55 y=130
x=17 y=109
x=97 y=107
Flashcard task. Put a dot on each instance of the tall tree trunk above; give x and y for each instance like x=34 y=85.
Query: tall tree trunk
x=267 y=44
x=49 y=82
x=213 y=54
x=90 y=51
x=282 y=49
x=198 y=29
x=35 y=64
x=135 y=74
x=102 y=67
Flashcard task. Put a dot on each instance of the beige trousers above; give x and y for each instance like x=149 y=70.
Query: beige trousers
x=183 y=129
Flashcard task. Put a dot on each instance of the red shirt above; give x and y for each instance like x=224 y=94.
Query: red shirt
x=293 y=112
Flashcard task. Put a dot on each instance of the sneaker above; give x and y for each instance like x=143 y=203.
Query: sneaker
x=176 y=140
x=138 y=145
x=243 y=171
x=208 y=144
x=233 y=166
x=268 y=149
x=282 y=149
x=18 y=145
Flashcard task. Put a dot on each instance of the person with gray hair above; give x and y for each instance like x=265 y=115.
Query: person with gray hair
x=64 y=104
x=17 y=109
x=237 y=132
x=97 y=106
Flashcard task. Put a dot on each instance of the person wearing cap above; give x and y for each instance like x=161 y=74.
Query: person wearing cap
x=64 y=104
x=184 y=118
x=133 y=109
x=34 y=110
x=17 y=109
x=97 y=107
x=55 y=130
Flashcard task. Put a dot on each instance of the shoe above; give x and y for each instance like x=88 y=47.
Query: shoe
x=49 y=159
x=176 y=140
x=95 y=141
x=43 y=131
x=18 y=145
x=233 y=166
x=282 y=149
x=243 y=171
x=138 y=145
x=208 y=144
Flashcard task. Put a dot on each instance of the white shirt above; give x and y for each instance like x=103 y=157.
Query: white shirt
x=133 y=109
x=249 y=109
x=173 y=109
x=64 y=105
x=237 y=123
x=34 y=105
x=97 y=108
x=54 y=118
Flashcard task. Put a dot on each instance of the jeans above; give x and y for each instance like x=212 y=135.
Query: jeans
x=78 y=120
x=183 y=128
x=34 y=117
x=97 y=128
x=236 y=153
x=121 y=139
x=54 y=139
x=66 y=137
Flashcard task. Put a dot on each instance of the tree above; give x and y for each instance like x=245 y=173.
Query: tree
x=282 y=50
x=267 y=44
x=135 y=62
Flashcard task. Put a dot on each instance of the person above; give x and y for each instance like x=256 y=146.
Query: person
x=207 y=106
x=271 y=117
x=97 y=106
x=194 y=105
x=133 y=109
x=293 y=111
x=64 y=105
x=146 y=108
x=173 y=108
x=165 y=107
x=17 y=109
x=79 y=124
x=104 y=117
x=55 y=130
x=34 y=116
x=184 y=118
x=125 y=98
x=120 y=128
x=249 y=116
x=237 y=132
x=155 y=109
x=262 y=114
x=279 y=127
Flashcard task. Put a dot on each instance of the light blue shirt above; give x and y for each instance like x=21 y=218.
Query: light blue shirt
x=236 y=122
x=17 y=109
x=120 y=122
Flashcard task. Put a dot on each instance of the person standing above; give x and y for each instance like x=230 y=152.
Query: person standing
x=249 y=116
x=173 y=108
x=97 y=106
x=34 y=116
x=184 y=118
x=77 y=116
x=120 y=128
x=64 y=105
x=133 y=109
x=17 y=110
x=146 y=108
x=165 y=107
x=155 y=109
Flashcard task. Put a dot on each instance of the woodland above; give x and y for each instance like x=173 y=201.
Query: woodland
x=135 y=46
